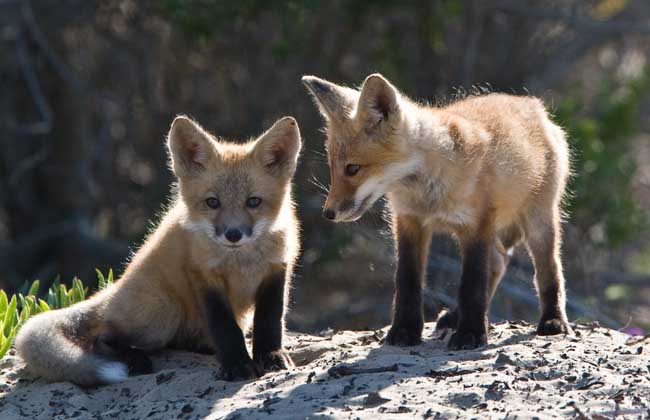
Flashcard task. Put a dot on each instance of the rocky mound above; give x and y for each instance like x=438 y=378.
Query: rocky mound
x=599 y=373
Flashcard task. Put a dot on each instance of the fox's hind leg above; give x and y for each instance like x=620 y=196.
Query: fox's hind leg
x=137 y=320
x=543 y=240
x=412 y=240
x=500 y=256
x=498 y=262
x=499 y=259
x=112 y=345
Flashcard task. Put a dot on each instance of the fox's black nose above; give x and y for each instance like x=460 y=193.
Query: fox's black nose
x=329 y=214
x=233 y=235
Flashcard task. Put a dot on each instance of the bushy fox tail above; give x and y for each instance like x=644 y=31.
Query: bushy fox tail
x=58 y=346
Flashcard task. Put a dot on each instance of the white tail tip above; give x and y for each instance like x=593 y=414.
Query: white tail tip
x=112 y=372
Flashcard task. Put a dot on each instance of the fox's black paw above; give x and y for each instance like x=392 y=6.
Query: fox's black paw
x=467 y=340
x=277 y=360
x=553 y=326
x=242 y=371
x=447 y=320
x=403 y=337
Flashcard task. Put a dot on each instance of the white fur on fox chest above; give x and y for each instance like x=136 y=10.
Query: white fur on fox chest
x=240 y=272
x=426 y=198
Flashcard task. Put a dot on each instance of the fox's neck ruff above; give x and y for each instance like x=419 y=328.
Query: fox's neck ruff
x=424 y=130
x=427 y=143
x=422 y=186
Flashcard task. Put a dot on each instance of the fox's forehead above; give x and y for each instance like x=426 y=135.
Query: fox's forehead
x=234 y=177
x=234 y=182
x=228 y=178
x=343 y=141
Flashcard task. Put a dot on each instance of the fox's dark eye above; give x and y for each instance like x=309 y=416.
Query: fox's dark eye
x=213 y=202
x=253 y=202
x=352 y=169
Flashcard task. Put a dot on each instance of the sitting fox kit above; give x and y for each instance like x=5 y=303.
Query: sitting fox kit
x=223 y=253
x=491 y=170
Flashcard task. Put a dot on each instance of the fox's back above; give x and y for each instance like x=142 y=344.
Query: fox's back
x=520 y=135
x=519 y=149
x=507 y=118
x=493 y=107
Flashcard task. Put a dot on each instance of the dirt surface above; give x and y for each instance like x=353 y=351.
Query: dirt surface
x=594 y=374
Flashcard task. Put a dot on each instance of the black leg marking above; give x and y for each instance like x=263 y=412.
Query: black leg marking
x=553 y=320
x=268 y=323
x=228 y=339
x=407 y=300
x=472 y=299
x=544 y=247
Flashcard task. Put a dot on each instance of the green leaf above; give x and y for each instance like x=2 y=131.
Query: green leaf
x=104 y=281
x=101 y=281
x=63 y=296
x=4 y=346
x=10 y=316
x=3 y=302
x=32 y=302
x=33 y=291
x=24 y=314
x=43 y=305
x=52 y=299
x=80 y=290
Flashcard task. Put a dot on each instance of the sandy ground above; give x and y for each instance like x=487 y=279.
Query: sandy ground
x=351 y=375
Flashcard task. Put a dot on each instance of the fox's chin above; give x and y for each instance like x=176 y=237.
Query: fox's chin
x=351 y=217
x=356 y=213
x=234 y=247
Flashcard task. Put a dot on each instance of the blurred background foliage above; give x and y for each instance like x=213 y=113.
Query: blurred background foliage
x=90 y=88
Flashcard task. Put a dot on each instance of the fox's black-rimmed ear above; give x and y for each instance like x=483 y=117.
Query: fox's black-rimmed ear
x=278 y=148
x=334 y=101
x=190 y=147
x=377 y=101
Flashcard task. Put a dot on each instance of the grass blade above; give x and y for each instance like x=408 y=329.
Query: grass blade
x=10 y=316
x=43 y=305
x=4 y=346
x=33 y=291
x=3 y=302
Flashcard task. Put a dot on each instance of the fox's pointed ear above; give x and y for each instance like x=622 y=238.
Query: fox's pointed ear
x=378 y=100
x=277 y=149
x=190 y=147
x=334 y=101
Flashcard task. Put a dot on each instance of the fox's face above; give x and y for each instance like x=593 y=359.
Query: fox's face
x=365 y=155
x=234 y=193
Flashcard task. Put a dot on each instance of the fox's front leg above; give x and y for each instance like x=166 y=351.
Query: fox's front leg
x=473 y=296
x=412 y=241
x=268 y=324
x=228 y=338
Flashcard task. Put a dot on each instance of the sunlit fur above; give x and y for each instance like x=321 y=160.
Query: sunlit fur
x=481 y=167
x=157 y=300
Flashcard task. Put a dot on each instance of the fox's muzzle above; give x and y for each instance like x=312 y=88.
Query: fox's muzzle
x=233 y=234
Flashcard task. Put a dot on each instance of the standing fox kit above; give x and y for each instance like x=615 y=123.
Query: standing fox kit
x=491 y=170
x=224 y=251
